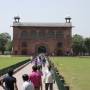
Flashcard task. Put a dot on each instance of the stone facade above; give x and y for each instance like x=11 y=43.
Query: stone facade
x=34 y=38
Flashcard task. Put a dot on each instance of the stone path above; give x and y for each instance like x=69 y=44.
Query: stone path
x=26 y=70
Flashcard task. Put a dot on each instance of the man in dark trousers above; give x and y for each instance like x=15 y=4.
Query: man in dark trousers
x=49 y=78
x=10 y=81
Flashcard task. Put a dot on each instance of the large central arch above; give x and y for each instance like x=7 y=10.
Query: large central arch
x=41 y=48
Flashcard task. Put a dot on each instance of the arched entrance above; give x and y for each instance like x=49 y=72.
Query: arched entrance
x=59 y=47
x=42 y=49
x=24 y=52
x=59 y=52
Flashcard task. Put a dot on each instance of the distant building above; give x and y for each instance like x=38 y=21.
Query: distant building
x=49 y=38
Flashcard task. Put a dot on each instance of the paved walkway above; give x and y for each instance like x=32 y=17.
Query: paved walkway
x=26 y=70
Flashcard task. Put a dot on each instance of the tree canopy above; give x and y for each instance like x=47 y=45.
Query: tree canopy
x=80 y=45
x=5 y=38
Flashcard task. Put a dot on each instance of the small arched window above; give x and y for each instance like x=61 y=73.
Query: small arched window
x=24 y=44
x=33 y=34
x=59 y=34
x=24 y=35
x=51 y=34
x=42 y=35
x=59 y=44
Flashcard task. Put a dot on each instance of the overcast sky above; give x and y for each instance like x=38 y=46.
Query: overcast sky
x=46 y=11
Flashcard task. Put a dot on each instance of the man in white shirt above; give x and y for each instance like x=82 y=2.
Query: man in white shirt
x=27 y=85
x=49 y=78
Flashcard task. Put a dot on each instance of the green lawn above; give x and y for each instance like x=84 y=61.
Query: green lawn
x=76 y=71
x=6 y=61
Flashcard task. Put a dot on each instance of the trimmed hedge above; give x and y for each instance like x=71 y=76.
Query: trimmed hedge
x=5 y=70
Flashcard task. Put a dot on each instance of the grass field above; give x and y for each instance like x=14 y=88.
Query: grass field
x=6 y=61
x=76 y=71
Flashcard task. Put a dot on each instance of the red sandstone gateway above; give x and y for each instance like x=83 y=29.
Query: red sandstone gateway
x=34 y=38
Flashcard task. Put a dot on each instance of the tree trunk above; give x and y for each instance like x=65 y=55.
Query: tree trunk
x=2 y=52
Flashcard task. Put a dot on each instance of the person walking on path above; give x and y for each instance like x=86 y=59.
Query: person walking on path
x=10 y=82
x=35 y=78
x=49 y=78
x=27 y=85
x=39 y=70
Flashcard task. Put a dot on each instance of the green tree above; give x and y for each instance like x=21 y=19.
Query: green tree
x=87 y=44
x=77 y=44
x=9 y=46
x=4 y=38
